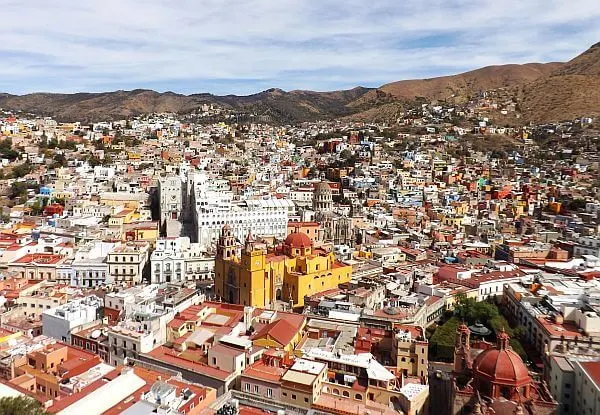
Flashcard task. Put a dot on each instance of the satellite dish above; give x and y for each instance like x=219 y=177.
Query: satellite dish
x=95 y=334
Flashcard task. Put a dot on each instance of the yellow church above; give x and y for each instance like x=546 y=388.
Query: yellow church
x=251 y=275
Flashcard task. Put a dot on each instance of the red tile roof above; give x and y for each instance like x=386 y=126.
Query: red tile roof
x=39 y=259
x=260 y=370
x=172 y=357
x=593 y=370
x=280 y=330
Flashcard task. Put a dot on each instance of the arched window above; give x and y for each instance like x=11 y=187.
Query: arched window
x=358 y=397
x=346 y=394
x=336 y=391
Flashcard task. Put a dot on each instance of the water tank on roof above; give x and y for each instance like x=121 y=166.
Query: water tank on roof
x=95 y=334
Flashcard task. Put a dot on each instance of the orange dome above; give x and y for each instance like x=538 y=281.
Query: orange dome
x=501 y=365
x=297 y=240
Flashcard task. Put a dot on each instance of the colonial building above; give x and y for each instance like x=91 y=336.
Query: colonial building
x=170 y=191
x=127 y=261
x=494 y=380
x=410 y=351
x=251 y=275
x=178 y=260
x=337 y=227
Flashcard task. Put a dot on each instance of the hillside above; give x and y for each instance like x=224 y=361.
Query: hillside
x=469 y=83
x=569 y=92
x=546 y=92
x=96 y=106
x=281 y=105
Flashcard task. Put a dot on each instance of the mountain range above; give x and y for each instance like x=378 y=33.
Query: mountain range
x=545 y=92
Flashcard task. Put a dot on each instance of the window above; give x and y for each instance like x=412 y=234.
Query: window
x=293 y=396
x=306 y=400
x=346 y=394
x=247 y=387
x=269 y=393
x=255 y=388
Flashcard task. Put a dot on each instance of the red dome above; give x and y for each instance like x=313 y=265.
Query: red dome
x=502 y=366
x=297 y=240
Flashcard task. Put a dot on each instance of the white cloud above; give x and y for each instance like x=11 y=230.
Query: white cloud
x=197 y=46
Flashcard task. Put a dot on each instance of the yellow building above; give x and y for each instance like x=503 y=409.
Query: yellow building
x=119 y=219
x=455 y=221
x=410 y=351
x=250 y=275
x=142 y=231
x=278 y=330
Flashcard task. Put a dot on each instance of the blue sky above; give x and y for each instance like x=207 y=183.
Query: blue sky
x=245 y=46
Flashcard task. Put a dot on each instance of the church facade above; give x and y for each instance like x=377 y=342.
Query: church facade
x=494 y=380
x=255 y=276
x=337 y=227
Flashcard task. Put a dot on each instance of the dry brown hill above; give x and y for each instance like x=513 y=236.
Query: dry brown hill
x=546 y=92
x=469 y=83
x=571 y=91
x=283 y=106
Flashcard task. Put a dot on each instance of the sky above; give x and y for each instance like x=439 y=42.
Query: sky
x=246 y=46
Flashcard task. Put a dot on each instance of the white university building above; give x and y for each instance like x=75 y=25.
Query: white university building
x=211 y=206
x=177 y=260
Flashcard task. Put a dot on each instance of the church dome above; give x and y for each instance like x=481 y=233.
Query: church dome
x=501 y=365
x=298 y=240
x=322 y=187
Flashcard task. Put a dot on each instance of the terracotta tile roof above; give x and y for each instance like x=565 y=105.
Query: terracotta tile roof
x=593 y=370
x=280 y=330
x=259 y=370
x=172 y=357
x=39 y=259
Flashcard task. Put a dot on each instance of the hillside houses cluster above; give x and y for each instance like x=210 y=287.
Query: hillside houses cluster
x=162 y=264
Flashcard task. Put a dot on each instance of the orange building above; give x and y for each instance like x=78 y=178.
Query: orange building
x=313 y=230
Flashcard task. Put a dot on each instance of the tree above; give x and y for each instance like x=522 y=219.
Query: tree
x=20 y=405
x=21 y=170
x=471 y=311
x=107 y=160
x=227 y=409
x=59 y=160
x=94 y=161
x=359 y=238
x=6 y=150
x=37 y=208
x=345 y=154
x=441 y=343
x=18 y=189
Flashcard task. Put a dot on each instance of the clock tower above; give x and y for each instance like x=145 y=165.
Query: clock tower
x=253 y=254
